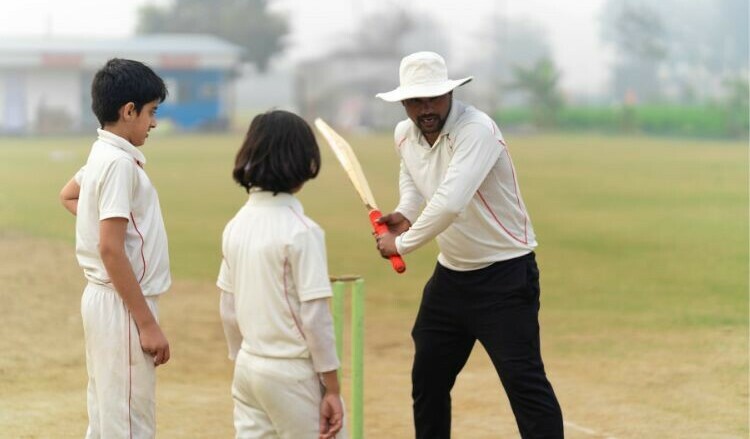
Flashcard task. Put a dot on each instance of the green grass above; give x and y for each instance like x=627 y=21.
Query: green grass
x=657 y=228
x=643 y=250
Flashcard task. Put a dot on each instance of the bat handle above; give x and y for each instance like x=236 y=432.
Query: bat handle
x=396 y=261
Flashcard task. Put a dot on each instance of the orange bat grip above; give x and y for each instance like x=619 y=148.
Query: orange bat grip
x=396 y=261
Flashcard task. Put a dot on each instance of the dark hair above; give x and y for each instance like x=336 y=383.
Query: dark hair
x=121 y=81
x=279 y=153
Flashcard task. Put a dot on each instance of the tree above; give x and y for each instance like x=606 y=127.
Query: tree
x=737 y=106
x=693 y=45
x=385 y=38
x=638 y=33
x=339 y=85
x=540 y=83
x=247 y=23
x=507 y=44
x=399 y=32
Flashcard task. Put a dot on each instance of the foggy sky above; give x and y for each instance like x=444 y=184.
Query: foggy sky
x=572 y=31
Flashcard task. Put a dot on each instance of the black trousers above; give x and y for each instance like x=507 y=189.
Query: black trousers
x=499 y=306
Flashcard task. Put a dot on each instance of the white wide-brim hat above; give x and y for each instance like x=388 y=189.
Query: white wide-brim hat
x=422 y=75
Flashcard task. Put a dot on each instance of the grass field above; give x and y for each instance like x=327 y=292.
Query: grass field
x=643 y=254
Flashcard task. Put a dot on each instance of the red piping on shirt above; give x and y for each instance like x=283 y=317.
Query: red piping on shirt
x=515 y=183
x=489 y=209
x=302 y=220
x=289 y=304
x=130 y=376
x=502 y=142
x=130 y=368
x=143 y=244
x=525 y=239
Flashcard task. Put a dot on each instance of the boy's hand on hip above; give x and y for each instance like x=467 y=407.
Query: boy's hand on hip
x=154 y=342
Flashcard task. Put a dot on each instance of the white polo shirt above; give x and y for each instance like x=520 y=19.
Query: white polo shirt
x=114 y=185
x=274 y=258
x=473 y=205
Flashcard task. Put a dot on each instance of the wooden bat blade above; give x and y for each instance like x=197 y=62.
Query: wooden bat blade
x=349 y=162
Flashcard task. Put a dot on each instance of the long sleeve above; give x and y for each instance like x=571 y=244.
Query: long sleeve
x=410 y=200
x=475 y=153
x=229 y=322
x=317 y=325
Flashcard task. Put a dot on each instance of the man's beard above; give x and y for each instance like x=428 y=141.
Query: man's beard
x=430 y=123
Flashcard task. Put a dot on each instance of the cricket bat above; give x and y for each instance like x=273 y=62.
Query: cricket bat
x=349 y=162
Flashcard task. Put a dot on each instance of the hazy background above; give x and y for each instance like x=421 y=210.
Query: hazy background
x=667 y=68
x=628 y=126
x=316 y=26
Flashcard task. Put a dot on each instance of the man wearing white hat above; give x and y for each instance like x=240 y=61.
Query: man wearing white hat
x=455 y=163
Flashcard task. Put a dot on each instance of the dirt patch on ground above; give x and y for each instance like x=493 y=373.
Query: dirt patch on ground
x=43 y=375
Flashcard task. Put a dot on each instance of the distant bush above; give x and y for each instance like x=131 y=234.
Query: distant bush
x=737 y=105
x=590 y=118
x=514 y=117
x=700 y=121
x=708 y=120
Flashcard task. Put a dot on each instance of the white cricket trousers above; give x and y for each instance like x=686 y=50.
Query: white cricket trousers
x=122 y=379
x=276 y=398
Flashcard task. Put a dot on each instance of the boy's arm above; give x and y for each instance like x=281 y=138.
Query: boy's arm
x=112 y=250
x=331 y=407
x=317 y=326
x=69 y=196
x=310 y=273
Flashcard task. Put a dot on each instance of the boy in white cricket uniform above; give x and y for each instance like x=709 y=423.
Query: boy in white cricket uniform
x=275 y=290
x=121 y=245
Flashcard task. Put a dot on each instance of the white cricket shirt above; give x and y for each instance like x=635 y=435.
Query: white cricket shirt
x=114 y=185
x=473 y=205
x=274 y=258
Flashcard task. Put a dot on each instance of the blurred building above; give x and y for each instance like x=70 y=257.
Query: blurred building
x=258 y=91
x=45 y=83
x=341 y=88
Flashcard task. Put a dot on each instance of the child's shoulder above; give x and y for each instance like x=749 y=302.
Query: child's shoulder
x=103 y=153
x=108 y=164
x=303 y=225
x=313 y=225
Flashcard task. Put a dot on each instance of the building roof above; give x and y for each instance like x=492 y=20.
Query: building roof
x=157 y=50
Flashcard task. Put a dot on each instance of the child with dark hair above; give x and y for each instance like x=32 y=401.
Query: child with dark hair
x=121 y=245
x=275 y=290
x=121 y=81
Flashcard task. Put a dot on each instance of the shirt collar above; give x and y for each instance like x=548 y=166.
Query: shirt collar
x=259 y=197
x=457 y=109
x=113 y=139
